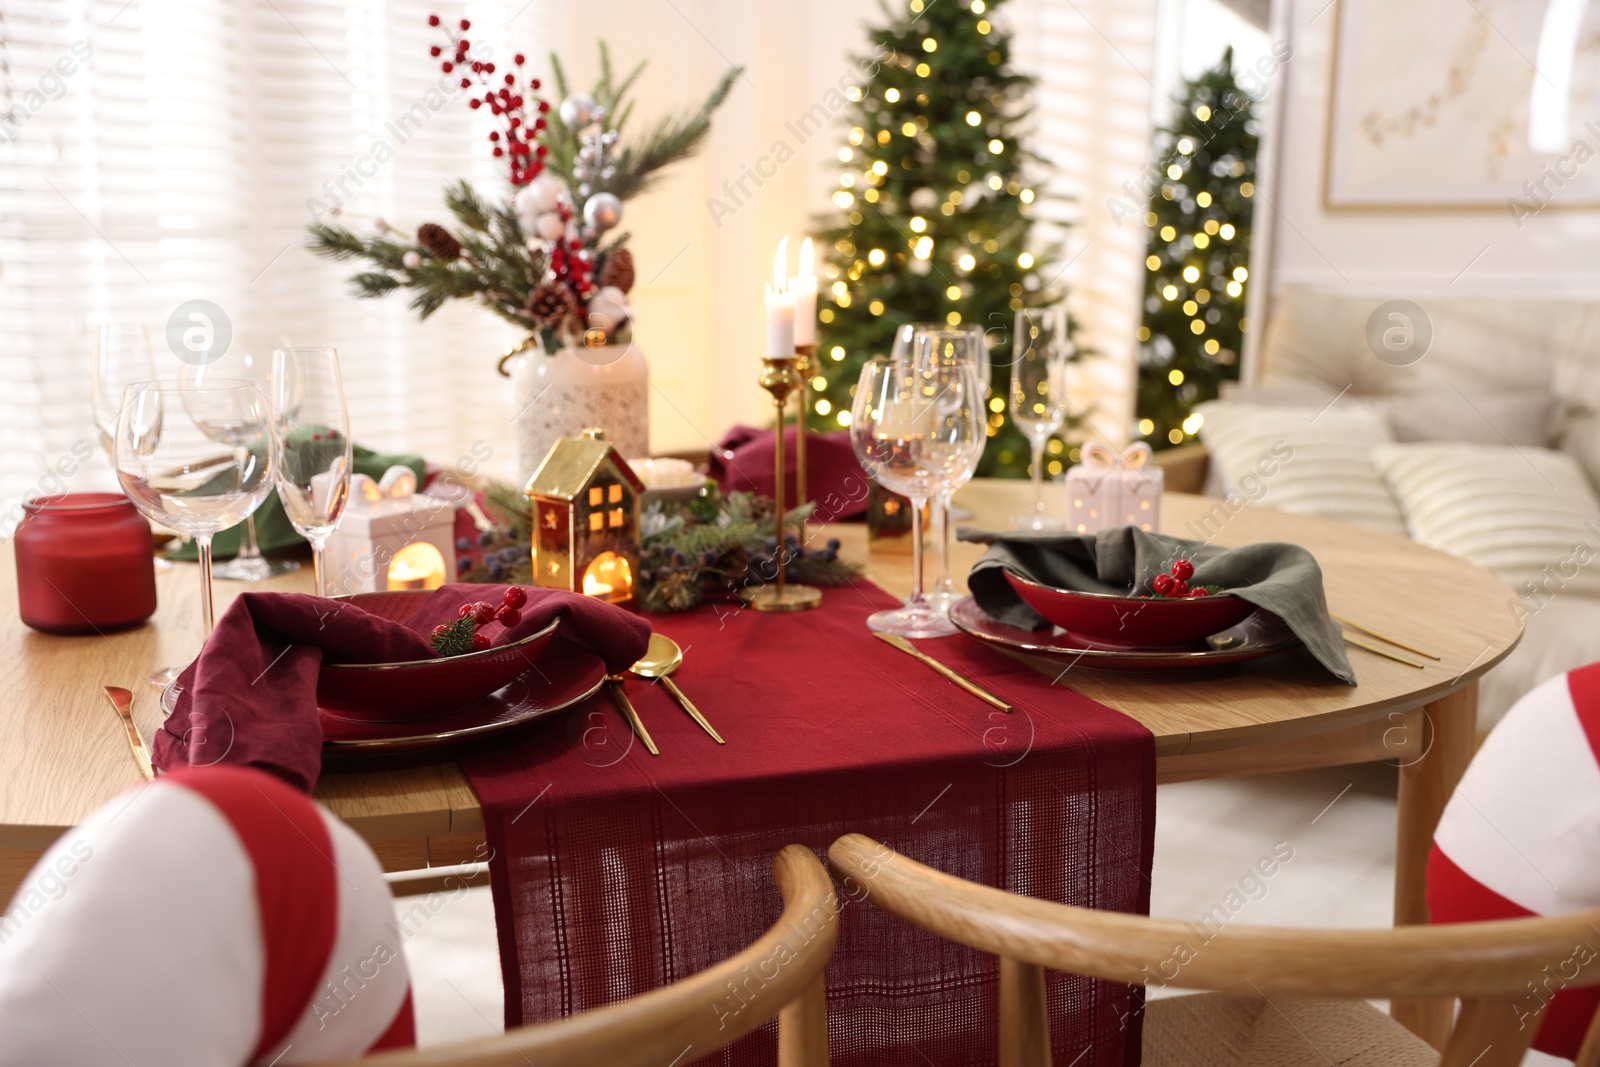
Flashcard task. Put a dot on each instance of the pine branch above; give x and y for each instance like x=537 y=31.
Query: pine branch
x=671 y=140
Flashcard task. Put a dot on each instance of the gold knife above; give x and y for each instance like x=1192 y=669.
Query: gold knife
x=122 y=701
x=972 y=687
x=628 y=712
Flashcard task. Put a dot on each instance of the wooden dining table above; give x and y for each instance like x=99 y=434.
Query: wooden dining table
x=63 y=752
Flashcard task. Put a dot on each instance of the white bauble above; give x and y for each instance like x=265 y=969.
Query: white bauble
x=538 y=196
x=578 y=111
x=602 y=211
x=412 y=260
x=550 y=226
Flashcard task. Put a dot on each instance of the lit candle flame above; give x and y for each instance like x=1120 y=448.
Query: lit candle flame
x=593 y=586
x=806 y=268
x=780 y=266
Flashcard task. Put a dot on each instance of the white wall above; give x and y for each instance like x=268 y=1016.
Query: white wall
x=1409 y=251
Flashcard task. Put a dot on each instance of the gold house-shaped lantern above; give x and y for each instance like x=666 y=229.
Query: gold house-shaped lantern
x=586 y=519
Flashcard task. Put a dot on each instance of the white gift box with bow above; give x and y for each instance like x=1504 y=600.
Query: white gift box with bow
x=382 y=520
x=1111 y=488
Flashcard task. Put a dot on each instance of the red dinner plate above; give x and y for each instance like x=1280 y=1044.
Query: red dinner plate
x=1073 y=651
x=422 y=688
x=561 y=680
x=1129 y=621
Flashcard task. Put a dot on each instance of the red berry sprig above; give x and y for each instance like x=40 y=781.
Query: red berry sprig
x=462 y=636
x=521 y=111
x=1176 y=584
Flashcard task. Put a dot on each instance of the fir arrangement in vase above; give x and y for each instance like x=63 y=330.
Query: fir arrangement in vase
x=547 y=254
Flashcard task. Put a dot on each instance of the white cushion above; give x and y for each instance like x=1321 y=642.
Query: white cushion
x=1527 y=514
x=1527 y=365
x=1307 y=460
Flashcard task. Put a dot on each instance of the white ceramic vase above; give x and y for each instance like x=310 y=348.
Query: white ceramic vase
x=565 y=394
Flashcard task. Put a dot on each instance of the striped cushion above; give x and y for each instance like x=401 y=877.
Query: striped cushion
x=1521 y=836
x=1308 y=460
x=1519 y=512
x=215 y=917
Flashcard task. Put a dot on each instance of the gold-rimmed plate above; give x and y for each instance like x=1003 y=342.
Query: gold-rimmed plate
x=559 y=682
x=1071 y=650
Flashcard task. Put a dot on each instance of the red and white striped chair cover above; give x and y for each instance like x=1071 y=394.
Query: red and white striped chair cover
x=1521 y=836
x=216 y=917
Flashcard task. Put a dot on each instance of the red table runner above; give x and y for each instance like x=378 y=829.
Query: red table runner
x=615 y=872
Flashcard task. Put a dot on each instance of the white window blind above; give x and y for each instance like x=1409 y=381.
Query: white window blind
x=155 y=153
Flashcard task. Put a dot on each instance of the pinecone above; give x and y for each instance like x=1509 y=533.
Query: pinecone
x=551 y=303
x=438 y=240
x=618 y=269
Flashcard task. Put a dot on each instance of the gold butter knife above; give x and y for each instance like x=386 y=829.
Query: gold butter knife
x=122 y=701
x=626 y=707
x=972 y=687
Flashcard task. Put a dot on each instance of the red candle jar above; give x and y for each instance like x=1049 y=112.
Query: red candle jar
x=84 y=564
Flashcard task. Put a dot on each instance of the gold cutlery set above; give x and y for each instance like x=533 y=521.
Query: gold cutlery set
x=660 y=659
x=1356 y=642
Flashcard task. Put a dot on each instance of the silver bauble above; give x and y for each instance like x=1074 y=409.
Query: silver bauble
x=602 y=211
x=577 y=111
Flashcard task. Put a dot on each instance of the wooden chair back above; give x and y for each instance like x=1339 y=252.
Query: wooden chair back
x=780 y=974
x=1496 y=968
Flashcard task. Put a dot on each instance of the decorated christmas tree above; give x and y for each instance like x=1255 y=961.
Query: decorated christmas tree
x=935 y=207
x=1199 y=252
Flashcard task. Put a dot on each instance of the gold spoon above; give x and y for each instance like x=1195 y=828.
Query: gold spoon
x=661 y=659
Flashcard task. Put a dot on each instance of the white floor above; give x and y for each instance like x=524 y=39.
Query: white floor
x=1209 y=838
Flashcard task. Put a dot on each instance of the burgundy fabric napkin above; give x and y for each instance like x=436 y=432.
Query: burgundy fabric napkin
x=742 y=462
x=250 y=696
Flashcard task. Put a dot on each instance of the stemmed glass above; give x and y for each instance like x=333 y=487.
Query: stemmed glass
x=965 y=343
x=1042 y=355
x=239 y=363
x=311 y=437
x=196 y=459
x=121 y=357
x=915 y=424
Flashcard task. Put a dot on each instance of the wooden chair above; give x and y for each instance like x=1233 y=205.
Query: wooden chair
x=780 y=974
x=1260 y=975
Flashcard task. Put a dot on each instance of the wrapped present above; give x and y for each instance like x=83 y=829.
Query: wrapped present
x=1111 y=488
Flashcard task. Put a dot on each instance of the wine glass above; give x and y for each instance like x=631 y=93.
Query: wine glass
x=914 y=426
x=196 y=459
x=121 y=357
x=1039 y=395
x=965 y=342
x=243 y=364
x=311 y=437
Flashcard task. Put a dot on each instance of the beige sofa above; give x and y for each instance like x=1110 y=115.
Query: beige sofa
x=1497 y=371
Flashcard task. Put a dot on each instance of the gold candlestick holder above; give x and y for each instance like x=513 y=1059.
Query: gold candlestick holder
x=805 y=357
x=781 y=377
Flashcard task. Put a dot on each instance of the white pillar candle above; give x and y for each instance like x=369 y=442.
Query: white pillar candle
x=780 y=307
x=804 y=288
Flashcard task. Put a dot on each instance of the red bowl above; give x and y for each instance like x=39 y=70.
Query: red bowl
x=423 y=688
x=1129 y=621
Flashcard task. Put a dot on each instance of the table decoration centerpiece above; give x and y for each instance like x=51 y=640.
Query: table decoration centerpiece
x=548 y=256
x=691 y=552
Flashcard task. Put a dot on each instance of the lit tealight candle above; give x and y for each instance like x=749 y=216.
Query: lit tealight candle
x=804 y=288
x=780 y=307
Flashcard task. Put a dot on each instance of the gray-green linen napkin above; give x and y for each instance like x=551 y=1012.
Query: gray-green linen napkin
x=1281 y=578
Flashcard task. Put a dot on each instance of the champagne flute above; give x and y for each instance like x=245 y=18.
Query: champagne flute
x=311 y=437
x=121 y=357
x=914 y=426
x=195 y=459
x=1039 y=396
x=241 y=363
